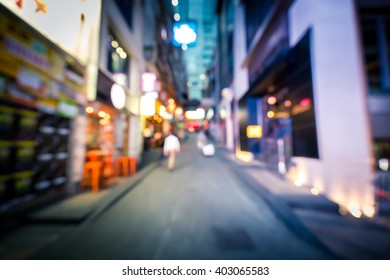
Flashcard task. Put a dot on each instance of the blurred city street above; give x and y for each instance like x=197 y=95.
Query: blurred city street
x=194 y=129
x=202 y=210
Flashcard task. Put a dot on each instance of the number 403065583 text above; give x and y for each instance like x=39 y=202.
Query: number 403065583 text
x=242 y=270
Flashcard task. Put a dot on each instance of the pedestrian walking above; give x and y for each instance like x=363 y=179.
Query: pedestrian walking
x=170 y=149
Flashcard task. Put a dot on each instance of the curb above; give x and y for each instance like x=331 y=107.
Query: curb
x=117 y=194
x=113 y=193
x=125 y=186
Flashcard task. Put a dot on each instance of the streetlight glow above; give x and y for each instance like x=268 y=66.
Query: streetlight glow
x=271 y=100
x=270 y=114
x=179 y=111
x=114 y=44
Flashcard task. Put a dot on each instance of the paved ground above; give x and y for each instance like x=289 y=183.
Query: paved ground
x=201 y=210
x=317 y=219
x=207 y=208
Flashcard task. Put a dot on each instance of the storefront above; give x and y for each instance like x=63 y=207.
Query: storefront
x=107 y=133
x=281 y=102
x=316 y=96
x=155 y=117
x=42 y=90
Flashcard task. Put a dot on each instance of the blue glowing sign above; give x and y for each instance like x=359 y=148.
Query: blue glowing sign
x=184 y=33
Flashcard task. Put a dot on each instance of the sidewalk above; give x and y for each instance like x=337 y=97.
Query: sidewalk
x=78 y=208
x=315 y=217
x=47 y=225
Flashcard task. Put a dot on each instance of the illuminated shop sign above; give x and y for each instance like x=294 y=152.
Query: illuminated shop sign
x=198 y=114
x=39 y=69
x=152 y=94
x=254 y=131
x=34 y=54
x=149 y=82
x=118 y=96
x=184 y=33
x=148 y=106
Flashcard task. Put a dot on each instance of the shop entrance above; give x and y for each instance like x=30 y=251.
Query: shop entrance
x=107 y=142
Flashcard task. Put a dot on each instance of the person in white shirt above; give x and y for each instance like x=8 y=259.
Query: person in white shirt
x=170 y=149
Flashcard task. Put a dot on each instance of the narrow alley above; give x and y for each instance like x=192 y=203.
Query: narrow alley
x=201 y=210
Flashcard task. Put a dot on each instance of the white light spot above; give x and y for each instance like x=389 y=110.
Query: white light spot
x=383 y=164
x=114 y=44
x=118 y=96
x=184 y=34
x=369 y=211
x=314 y=191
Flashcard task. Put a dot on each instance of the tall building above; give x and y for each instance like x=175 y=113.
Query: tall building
x=198 y=57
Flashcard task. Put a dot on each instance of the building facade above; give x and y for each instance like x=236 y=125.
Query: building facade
x=70 y=96
x=166 y=62
x=45 y=85
x=308 y=81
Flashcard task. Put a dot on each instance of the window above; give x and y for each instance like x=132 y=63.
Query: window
x=382 y=151
x=126 y=9
x=208 y=28
x=118 y=61
x=371 y=53
x=208 y=47
x=256 y=12
x=387 y=30
x=300 y=88
x=375 y=29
